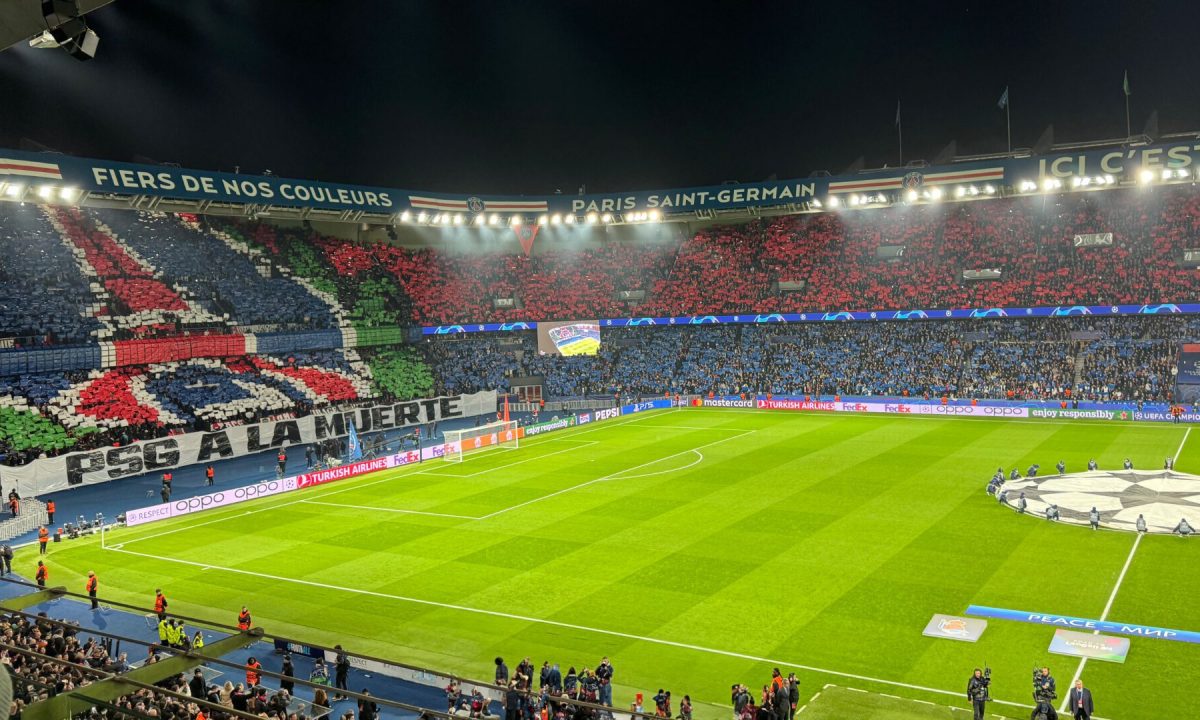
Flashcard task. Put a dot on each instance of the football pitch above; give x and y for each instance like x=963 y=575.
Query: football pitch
x=697 y=548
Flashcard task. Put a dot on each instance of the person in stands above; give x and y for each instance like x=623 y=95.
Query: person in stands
x=6 y=556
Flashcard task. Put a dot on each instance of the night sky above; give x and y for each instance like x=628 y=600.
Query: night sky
x=533 y=96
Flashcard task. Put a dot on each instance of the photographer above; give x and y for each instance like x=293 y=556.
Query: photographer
x=1044 y=693
x=977 y=691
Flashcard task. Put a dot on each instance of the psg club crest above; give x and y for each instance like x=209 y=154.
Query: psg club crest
x=475 y=205
x=913 y=181
x=954 y=627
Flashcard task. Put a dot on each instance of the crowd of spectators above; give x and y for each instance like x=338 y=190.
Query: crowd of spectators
x=1099 y=359
x=37 y=678
x=833 y=261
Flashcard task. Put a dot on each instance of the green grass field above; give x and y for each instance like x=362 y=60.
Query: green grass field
x=697 y=548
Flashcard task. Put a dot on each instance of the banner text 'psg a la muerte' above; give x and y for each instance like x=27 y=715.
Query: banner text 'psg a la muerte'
x=103 y=464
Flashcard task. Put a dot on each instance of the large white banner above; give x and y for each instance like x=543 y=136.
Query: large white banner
x=104 y=464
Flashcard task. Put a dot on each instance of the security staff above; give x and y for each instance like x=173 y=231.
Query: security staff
x=50 y=511
x=208 y=475
x=252 y=676
x=43 y=574
x=43 y=538
x=164 y=631
x=244 y=619
x=91 y=586
x=160 y=604
x=977 y=693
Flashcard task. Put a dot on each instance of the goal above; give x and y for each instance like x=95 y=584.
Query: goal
x=485 y=437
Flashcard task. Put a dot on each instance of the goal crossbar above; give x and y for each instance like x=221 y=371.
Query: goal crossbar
x=458 y=443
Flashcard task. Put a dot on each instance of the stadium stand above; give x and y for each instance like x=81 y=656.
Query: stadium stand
x=176 y=294
x=44 y=298
x=225 y=281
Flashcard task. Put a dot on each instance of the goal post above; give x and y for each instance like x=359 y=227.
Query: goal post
x=458 y=443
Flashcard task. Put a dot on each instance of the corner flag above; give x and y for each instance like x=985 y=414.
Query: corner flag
x=1003 y=99
x=353 y=446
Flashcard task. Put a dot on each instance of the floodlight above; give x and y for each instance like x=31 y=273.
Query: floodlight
x=833 y=201
x=990 y=190
x=1146 y=176
x=68 y=193
x=592 y=218
x=405 y=216
x=15 y=190
x=494 y=220
x=570 y=219
x=421 y=217
x=45 y=191
x=911 y=195
x=458 y=219
x=654 y=215
x=936 y=193
x=960 y=191
x=516 y=220
x=607 y=217
x=480 y=219
x=555 y=219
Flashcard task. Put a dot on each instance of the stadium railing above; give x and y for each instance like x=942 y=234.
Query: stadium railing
x=498 y=692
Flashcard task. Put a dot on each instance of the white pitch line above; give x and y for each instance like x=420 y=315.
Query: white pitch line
x=699 y=459
x=1179 y=452
x=559 y=624
x=695 y=427
x=356 y=484
x=613 y=475
x=1104 y=615
x=391 y=510
x=436 y=473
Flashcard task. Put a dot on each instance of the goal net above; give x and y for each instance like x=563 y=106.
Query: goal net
x=459 y=443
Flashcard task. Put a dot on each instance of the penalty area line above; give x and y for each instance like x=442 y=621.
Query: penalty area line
x=554 y=623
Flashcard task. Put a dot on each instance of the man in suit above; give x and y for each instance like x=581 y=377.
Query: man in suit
x=1079 y=701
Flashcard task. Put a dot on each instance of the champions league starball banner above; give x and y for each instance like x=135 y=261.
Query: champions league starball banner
x=846 y=316
x=103 y=464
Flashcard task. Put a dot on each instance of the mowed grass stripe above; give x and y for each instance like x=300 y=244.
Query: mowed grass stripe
x=818 y=539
